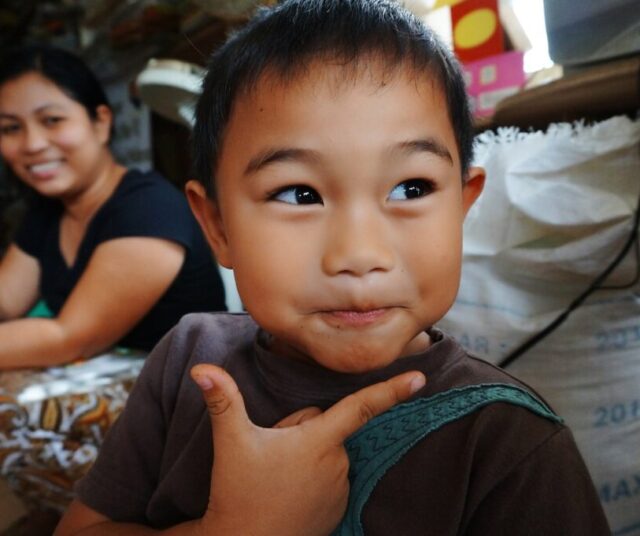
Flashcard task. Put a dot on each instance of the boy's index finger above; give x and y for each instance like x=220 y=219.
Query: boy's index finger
x=354 y=411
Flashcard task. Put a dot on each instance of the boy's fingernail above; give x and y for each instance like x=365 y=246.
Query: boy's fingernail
x=417 y=383
x=204 y=382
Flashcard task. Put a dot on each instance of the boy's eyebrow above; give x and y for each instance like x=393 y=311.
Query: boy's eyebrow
x=270 y=156
x=427 y=145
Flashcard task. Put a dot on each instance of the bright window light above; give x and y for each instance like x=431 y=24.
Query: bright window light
x=530 y=14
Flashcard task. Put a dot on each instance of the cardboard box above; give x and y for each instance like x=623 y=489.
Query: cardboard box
x=493 y=79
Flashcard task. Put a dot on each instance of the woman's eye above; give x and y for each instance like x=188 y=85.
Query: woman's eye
x=52 y=120
x=298 y=195
x=8 y=129
x=411 y=189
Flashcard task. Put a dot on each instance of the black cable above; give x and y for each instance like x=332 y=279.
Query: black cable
x=595 y=285
x=635 y=279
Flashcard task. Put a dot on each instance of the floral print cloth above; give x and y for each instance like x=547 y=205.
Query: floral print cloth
x=53 y=421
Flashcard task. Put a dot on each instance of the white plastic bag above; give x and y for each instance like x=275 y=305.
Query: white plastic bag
x=557 y=208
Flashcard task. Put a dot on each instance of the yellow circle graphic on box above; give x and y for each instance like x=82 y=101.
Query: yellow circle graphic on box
x=475 y=28
x=442 y=3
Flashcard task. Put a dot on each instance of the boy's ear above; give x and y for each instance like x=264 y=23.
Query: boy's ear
x=208 y=215
x=472 y=188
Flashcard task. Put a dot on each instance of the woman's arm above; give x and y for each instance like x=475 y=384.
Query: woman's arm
x=19 y=281
x=123 y=280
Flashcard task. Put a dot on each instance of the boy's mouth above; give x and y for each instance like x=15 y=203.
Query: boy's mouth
x=355 y=317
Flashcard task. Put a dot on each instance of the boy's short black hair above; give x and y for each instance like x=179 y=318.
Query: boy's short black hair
x=285 y=38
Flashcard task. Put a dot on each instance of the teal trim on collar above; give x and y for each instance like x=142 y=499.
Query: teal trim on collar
x=383 y=441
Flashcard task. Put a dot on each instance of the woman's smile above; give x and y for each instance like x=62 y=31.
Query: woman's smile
x=45 y=170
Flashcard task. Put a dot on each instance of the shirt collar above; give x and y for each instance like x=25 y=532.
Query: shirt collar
x=307 y=383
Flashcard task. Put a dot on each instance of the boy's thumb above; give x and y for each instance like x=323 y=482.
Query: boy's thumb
x=352 y=412
x=223 y=399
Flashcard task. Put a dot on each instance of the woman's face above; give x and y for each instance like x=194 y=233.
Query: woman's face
x=48 y=139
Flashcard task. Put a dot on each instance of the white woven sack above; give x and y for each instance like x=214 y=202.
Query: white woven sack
x=557 y=208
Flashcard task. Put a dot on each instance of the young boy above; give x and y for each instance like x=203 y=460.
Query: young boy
x=333 y=142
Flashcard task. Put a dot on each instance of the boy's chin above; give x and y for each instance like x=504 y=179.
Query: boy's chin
x=352 y=351
x=355 y=359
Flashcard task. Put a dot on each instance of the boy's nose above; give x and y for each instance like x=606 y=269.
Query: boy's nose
x=357 y=245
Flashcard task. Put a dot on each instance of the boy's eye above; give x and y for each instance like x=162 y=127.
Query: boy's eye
x=411 y=189
x=297 y=195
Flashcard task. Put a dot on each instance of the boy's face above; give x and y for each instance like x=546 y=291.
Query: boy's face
x=340 y=209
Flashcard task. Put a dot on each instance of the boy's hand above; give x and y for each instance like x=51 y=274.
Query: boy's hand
x=290 y=479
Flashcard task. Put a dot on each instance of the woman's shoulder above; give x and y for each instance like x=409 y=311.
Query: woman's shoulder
x=146 y=186
x=139 y=207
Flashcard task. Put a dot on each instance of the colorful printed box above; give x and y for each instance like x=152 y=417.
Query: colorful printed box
x=492 y=79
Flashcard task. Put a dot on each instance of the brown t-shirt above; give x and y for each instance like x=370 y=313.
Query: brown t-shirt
x=502 y=469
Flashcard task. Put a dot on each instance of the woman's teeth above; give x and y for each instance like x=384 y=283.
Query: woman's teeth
x=44 y=168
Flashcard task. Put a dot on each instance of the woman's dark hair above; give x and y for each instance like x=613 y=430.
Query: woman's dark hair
x=284 y=39
x=64 y=69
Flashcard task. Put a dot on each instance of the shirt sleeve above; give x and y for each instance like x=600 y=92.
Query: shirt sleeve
x=124 y=476
x=151 y=207
x=550 y=492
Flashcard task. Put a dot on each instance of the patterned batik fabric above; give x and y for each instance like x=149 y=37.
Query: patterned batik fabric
x=53 y=421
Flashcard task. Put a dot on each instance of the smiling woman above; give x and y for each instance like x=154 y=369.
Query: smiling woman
x=96 y=244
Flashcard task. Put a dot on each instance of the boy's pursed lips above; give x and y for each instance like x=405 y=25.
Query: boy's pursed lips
x=357 y=316
x=363 y=295
x=367 y=304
